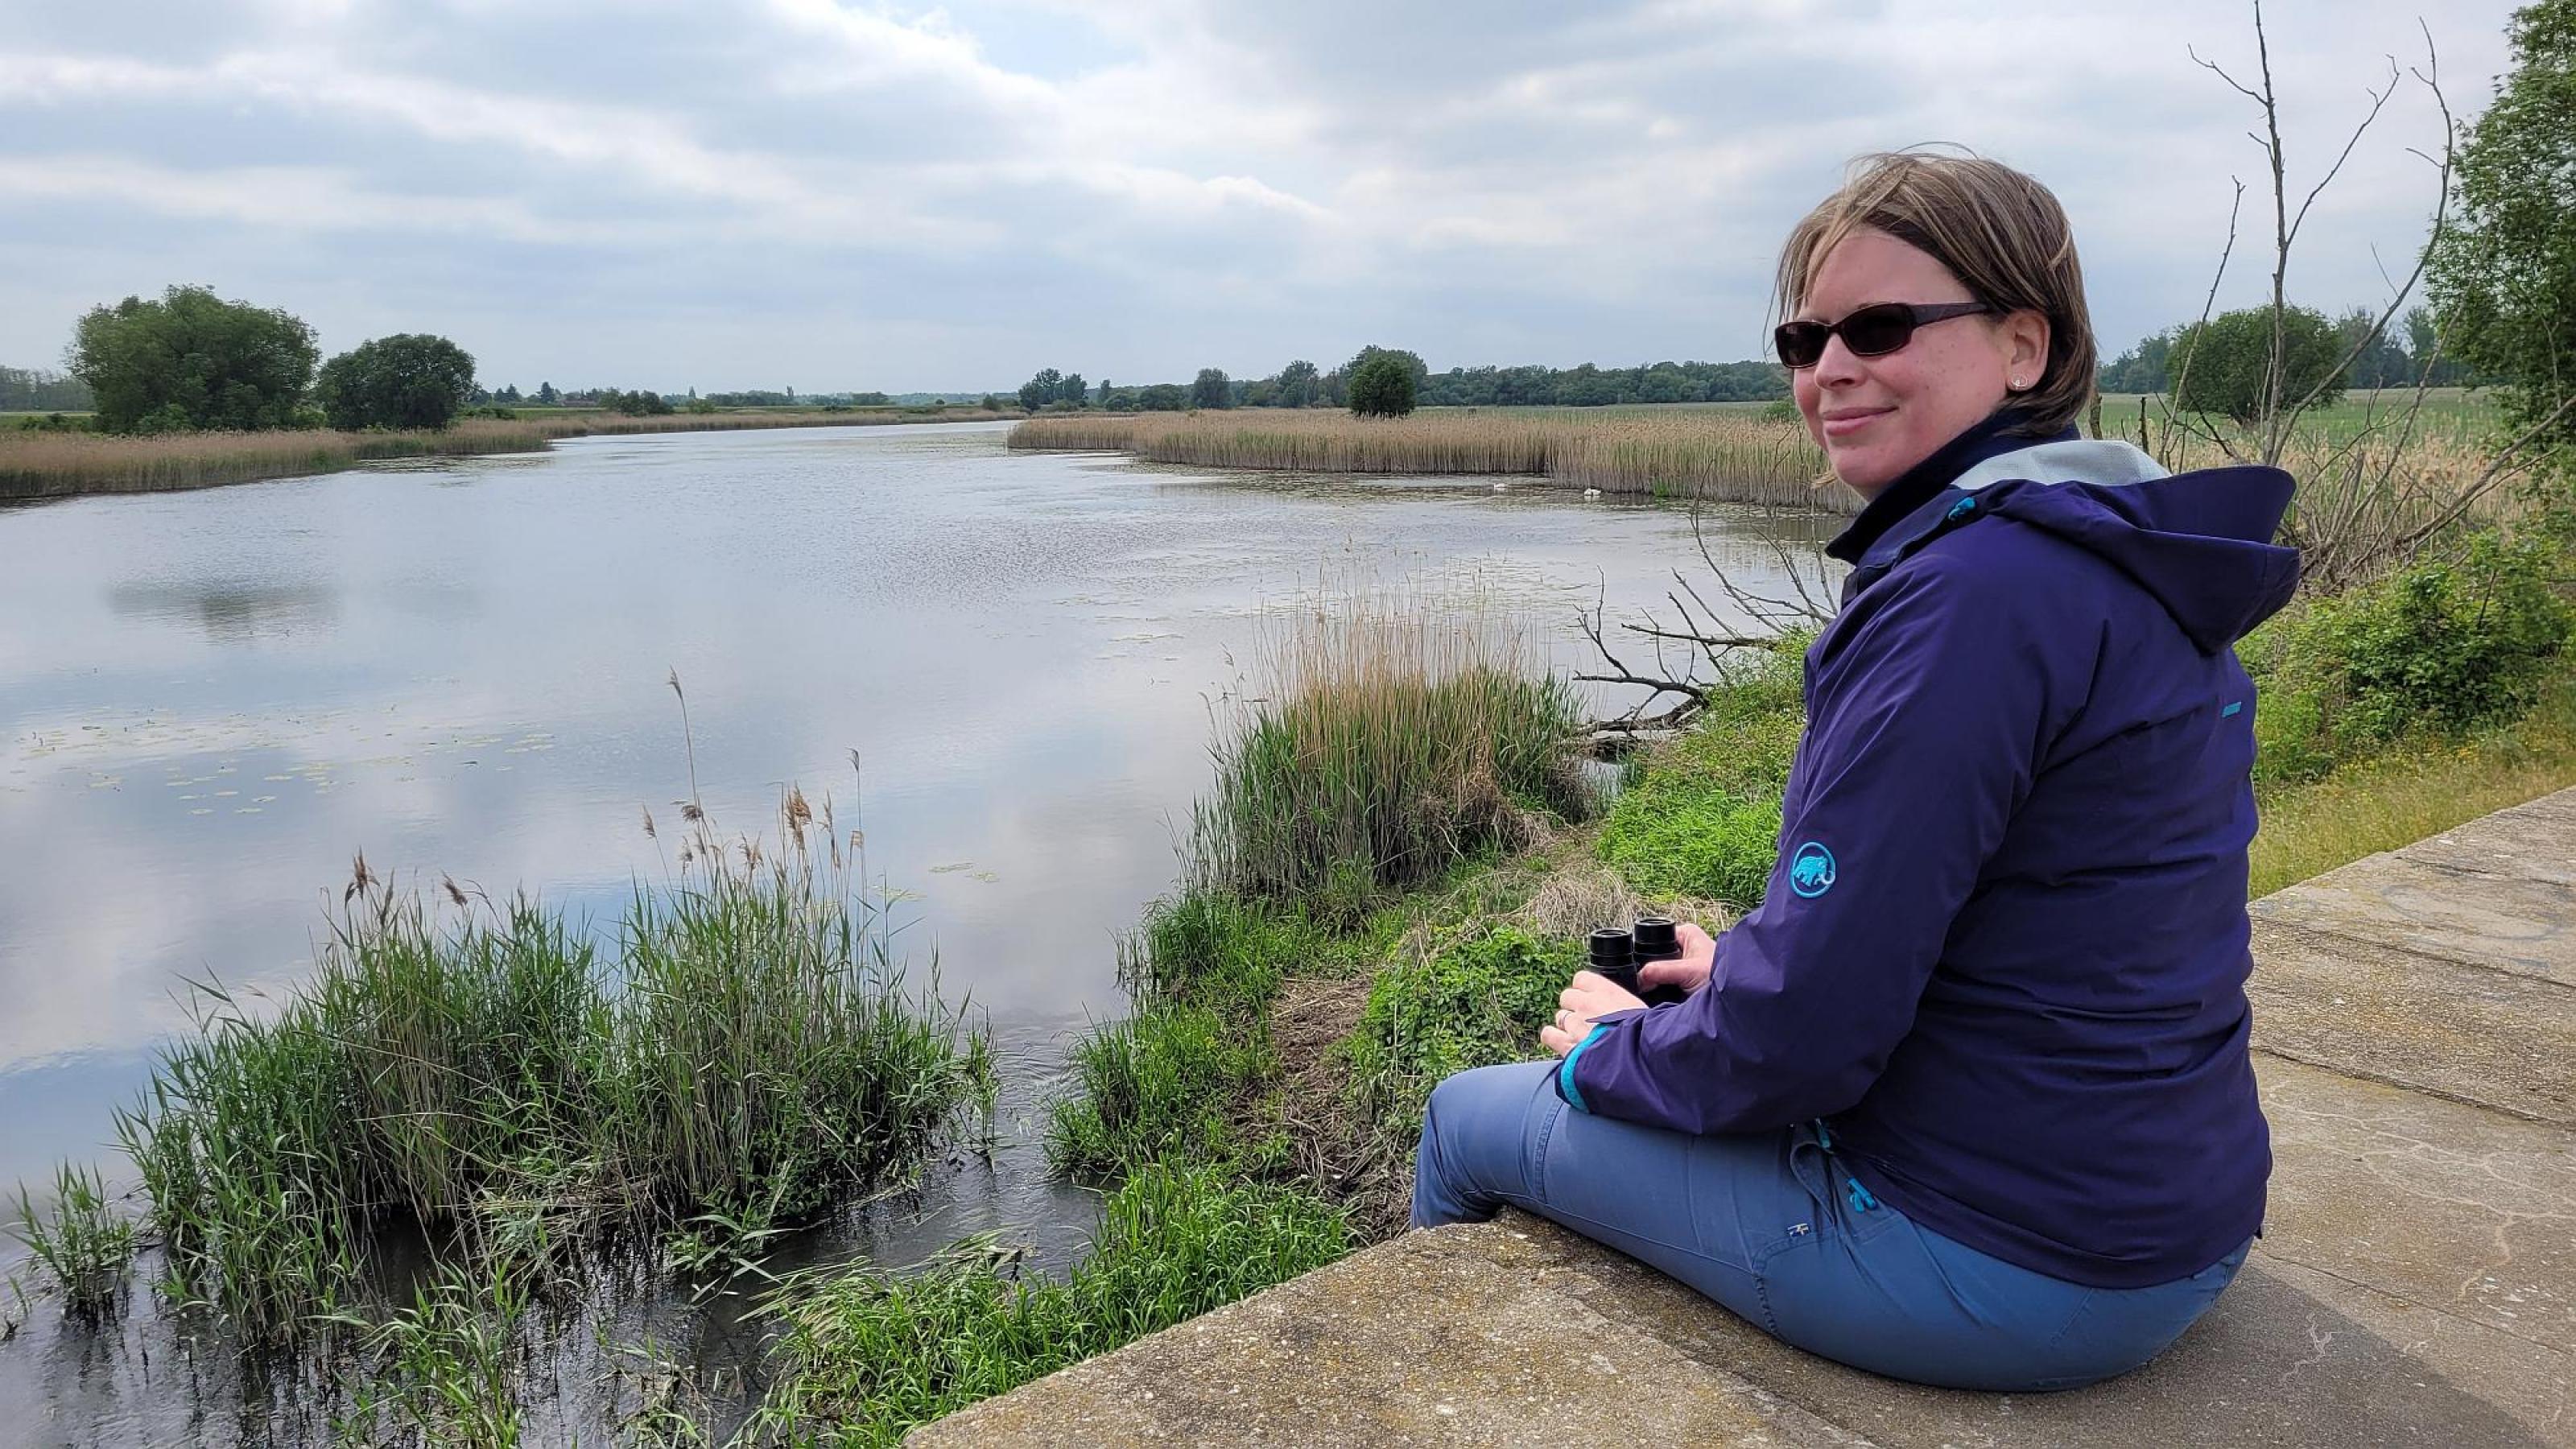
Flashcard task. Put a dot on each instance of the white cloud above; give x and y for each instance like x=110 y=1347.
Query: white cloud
x=844 y=194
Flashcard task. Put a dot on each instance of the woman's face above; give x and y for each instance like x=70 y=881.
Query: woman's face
x=1875 y=417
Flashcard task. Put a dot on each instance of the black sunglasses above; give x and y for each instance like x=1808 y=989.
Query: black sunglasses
x=1872 y=331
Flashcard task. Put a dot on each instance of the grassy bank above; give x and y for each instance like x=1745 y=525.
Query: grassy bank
x=1716 y=453
x=49 y=464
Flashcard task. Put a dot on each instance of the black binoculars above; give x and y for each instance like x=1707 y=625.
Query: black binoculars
x=1618 y=955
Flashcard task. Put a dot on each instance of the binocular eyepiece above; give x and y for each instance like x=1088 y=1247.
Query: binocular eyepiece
x=1619 y=955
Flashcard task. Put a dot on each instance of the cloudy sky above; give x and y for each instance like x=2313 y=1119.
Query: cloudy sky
x=838 y=194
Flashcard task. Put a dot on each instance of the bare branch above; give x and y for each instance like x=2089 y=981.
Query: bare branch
x=2235 y=205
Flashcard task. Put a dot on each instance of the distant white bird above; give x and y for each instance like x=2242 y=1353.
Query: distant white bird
x=1499 y=487
x=1591 y=492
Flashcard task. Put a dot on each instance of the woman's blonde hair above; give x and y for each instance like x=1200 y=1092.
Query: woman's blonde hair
x=1998 y=231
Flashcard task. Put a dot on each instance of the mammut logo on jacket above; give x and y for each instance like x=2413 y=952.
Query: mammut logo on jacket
x=1811 y=870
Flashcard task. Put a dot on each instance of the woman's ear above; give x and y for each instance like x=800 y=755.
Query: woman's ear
x=2024 y=335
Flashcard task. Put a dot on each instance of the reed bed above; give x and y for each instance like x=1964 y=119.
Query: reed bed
x=1728 y=455
x=485 y=1076
x=44 y=464
x=51 y=465
x=1396 y=736
x=609 y=424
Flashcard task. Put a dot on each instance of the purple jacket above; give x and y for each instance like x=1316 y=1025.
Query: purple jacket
x=2003 y=953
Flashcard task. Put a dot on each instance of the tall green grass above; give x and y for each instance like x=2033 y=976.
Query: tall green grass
x=1394 y=739
x=484 y=1076
x=80 y=1240
x=866 y=1355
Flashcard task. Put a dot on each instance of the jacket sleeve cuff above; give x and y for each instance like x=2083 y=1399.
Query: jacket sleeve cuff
x=1565 y=1086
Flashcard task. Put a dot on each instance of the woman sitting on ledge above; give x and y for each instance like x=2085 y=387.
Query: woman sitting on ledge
x=1967 y=1100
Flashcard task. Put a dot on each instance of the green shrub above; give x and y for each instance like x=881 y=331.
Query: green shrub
x=1703 y=816
x=864 y=1356
x=2441 y=648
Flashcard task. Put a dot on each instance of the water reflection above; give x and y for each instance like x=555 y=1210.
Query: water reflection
x=231 y=613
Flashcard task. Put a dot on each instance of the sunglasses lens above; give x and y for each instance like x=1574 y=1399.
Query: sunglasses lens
x=1877 y=331
x=1800 y=343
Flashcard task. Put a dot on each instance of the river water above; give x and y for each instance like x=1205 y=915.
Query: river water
x=211 y=702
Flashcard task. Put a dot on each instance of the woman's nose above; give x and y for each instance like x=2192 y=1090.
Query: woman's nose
x=1836 y=366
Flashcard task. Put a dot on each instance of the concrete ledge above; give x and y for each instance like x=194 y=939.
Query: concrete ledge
x=2417 y=1286
x=2497 y=1038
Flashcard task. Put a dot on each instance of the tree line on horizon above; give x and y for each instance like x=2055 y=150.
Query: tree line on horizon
x=1301 y=384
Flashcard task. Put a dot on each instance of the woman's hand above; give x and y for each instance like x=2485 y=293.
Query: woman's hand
x=1689 y=970
x=1591 y=996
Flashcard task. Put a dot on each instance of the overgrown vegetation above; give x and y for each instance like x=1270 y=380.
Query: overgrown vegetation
x=2438 y=649
x=1704 y=818
x=484 y=1077
x=1393 y=742
x=867 y=1355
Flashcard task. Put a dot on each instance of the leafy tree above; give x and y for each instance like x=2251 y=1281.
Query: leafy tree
x=992 y=403
x=547 y=396
x=2504 y=277
x=1382 y=386
x=2219 y=365
x=408 y=380
x=193 y=360
x=1073 y=391
x=1211 y=389
x=1163 y=397
x=1040 y=390
x=1413 y=363
x=641 y=403
x=1299 y=385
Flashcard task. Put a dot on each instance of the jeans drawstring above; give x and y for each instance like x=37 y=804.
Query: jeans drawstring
x=1862 y=1199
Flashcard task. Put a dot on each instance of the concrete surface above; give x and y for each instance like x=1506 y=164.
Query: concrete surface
x=2416 y=1284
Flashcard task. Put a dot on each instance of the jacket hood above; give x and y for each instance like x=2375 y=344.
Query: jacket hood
x=2200 y=543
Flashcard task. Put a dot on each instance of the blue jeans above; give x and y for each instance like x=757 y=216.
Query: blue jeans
x=1769 y=1225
